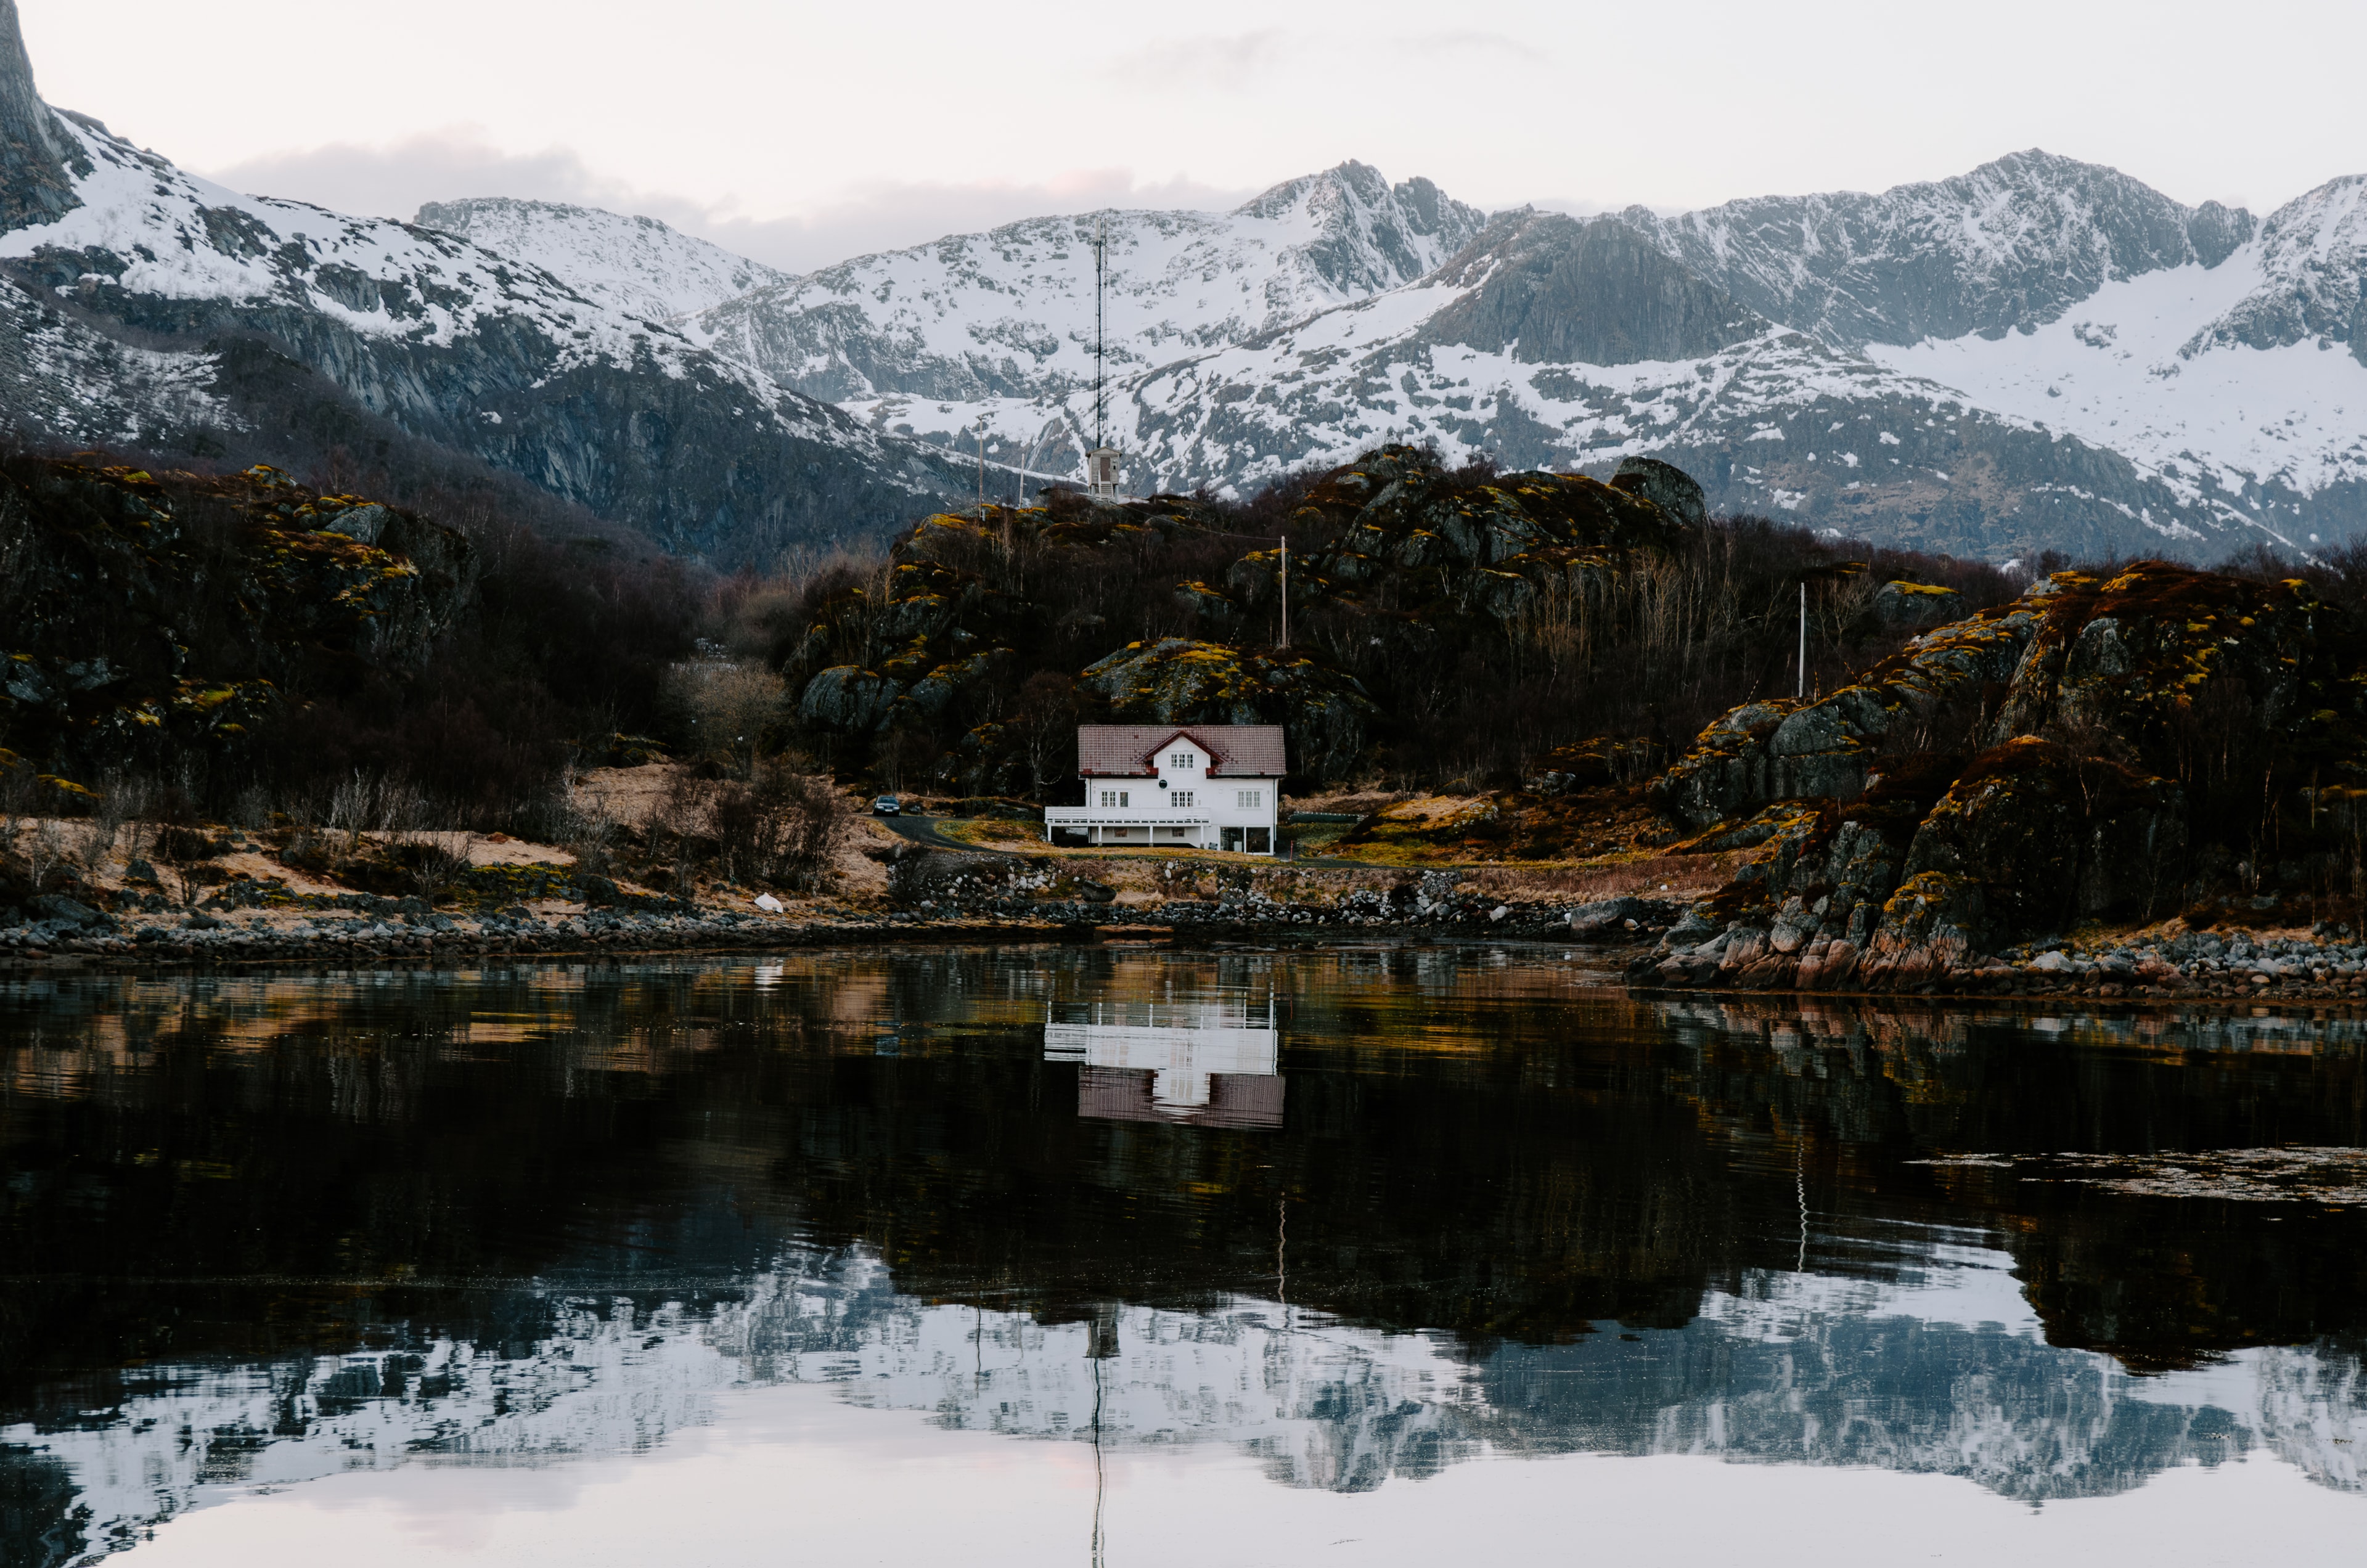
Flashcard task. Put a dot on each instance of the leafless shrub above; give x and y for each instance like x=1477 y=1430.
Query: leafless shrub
x=44 y=849
x=591 y=841
x=250 y=808
x=181 y=845
x=732 y=709
x=120 y=815
x=437 y=862
x=374 y=802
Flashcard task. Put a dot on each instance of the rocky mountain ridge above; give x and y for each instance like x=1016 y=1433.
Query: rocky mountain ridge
x=2016 y=241
x=130 y=285
x=2074 y=333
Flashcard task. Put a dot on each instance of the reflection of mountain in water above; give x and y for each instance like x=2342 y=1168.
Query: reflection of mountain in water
x=260 y=1229
x=1209 y=1063
x=1944 y=1375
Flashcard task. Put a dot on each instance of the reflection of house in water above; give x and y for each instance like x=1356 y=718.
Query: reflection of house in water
x=1211 y=1063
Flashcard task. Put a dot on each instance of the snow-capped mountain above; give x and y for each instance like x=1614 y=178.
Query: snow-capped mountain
x=128 y=286
x=634 y=266
x=2039 y=354
x=2016 y=241
x=1010 y=313
x=1551 y=341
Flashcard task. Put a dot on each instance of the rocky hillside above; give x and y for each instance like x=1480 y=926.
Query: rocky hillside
x=148 y=623
x=126 y=282
x=2125 y=746
x=1444 y=623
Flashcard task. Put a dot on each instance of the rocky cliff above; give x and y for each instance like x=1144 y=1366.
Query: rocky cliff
x=2129 y=746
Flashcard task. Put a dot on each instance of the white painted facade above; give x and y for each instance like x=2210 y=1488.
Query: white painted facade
x=1181 y=805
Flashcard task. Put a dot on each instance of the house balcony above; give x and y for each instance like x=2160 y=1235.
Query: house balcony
x=1121 y=817
x=1141 y=827
x=1149 y=828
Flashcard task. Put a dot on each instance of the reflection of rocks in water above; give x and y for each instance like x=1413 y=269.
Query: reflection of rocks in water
x=2164 y=1260
x=2312 y=1404
x=1992 y=1404
x=604 y=1380
x=43 y=1520
x=2235 y=1175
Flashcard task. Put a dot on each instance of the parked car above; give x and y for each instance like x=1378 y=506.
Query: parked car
x=887 y=805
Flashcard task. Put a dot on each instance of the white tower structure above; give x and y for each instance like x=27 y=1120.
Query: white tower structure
x=1101 y=463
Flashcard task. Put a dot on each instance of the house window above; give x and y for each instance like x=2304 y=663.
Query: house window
x=1182 y=759
x=1112 y=797
x=1181 y=798
x=1244 y=798
x=1261 y=840
x=1230 y=839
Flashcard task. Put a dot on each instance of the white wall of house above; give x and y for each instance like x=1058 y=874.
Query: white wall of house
x=1183 y=805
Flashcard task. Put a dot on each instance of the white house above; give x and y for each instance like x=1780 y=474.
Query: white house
x=1210 y=786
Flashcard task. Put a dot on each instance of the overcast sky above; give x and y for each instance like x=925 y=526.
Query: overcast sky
x=804 y=133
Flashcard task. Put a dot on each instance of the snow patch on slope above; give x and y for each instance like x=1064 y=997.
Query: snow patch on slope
x=2112 y=375
x=636 y=266
x=150 y=229
x=2116 y=371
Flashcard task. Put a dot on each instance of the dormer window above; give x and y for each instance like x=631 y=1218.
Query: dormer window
x=1182 y=759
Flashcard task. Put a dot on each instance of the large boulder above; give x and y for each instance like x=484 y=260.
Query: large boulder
x=1324 y=712
x=1784 y=750
x=849 y=700
x=1665 y=485
x=2054 y=836
x=1911 y=606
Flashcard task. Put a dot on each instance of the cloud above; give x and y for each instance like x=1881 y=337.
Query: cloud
x=395 y=180
x=1465 y=41
x=1220 y=60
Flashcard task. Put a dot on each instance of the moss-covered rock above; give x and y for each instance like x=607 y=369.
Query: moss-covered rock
x=143 y=613
x=2050 y=760
x=1419 y=551
x=1911 y=606
x=1326 y=714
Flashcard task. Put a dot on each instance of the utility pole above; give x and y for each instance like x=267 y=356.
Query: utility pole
x=1804 y=638
x=1286 y=590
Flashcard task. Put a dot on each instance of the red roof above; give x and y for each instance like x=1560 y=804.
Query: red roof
x=1127 y=750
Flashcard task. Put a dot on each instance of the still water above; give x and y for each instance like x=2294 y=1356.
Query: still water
x=1125 y=1256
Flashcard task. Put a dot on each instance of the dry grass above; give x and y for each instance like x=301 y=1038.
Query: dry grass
x=1432 y=812
x=1358 y=802
x=1653 y=876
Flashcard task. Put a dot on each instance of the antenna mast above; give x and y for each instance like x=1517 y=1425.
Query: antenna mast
x=1101 y=275
x=1101 y=463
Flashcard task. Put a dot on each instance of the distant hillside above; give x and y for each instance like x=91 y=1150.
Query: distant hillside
x=127 y=286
